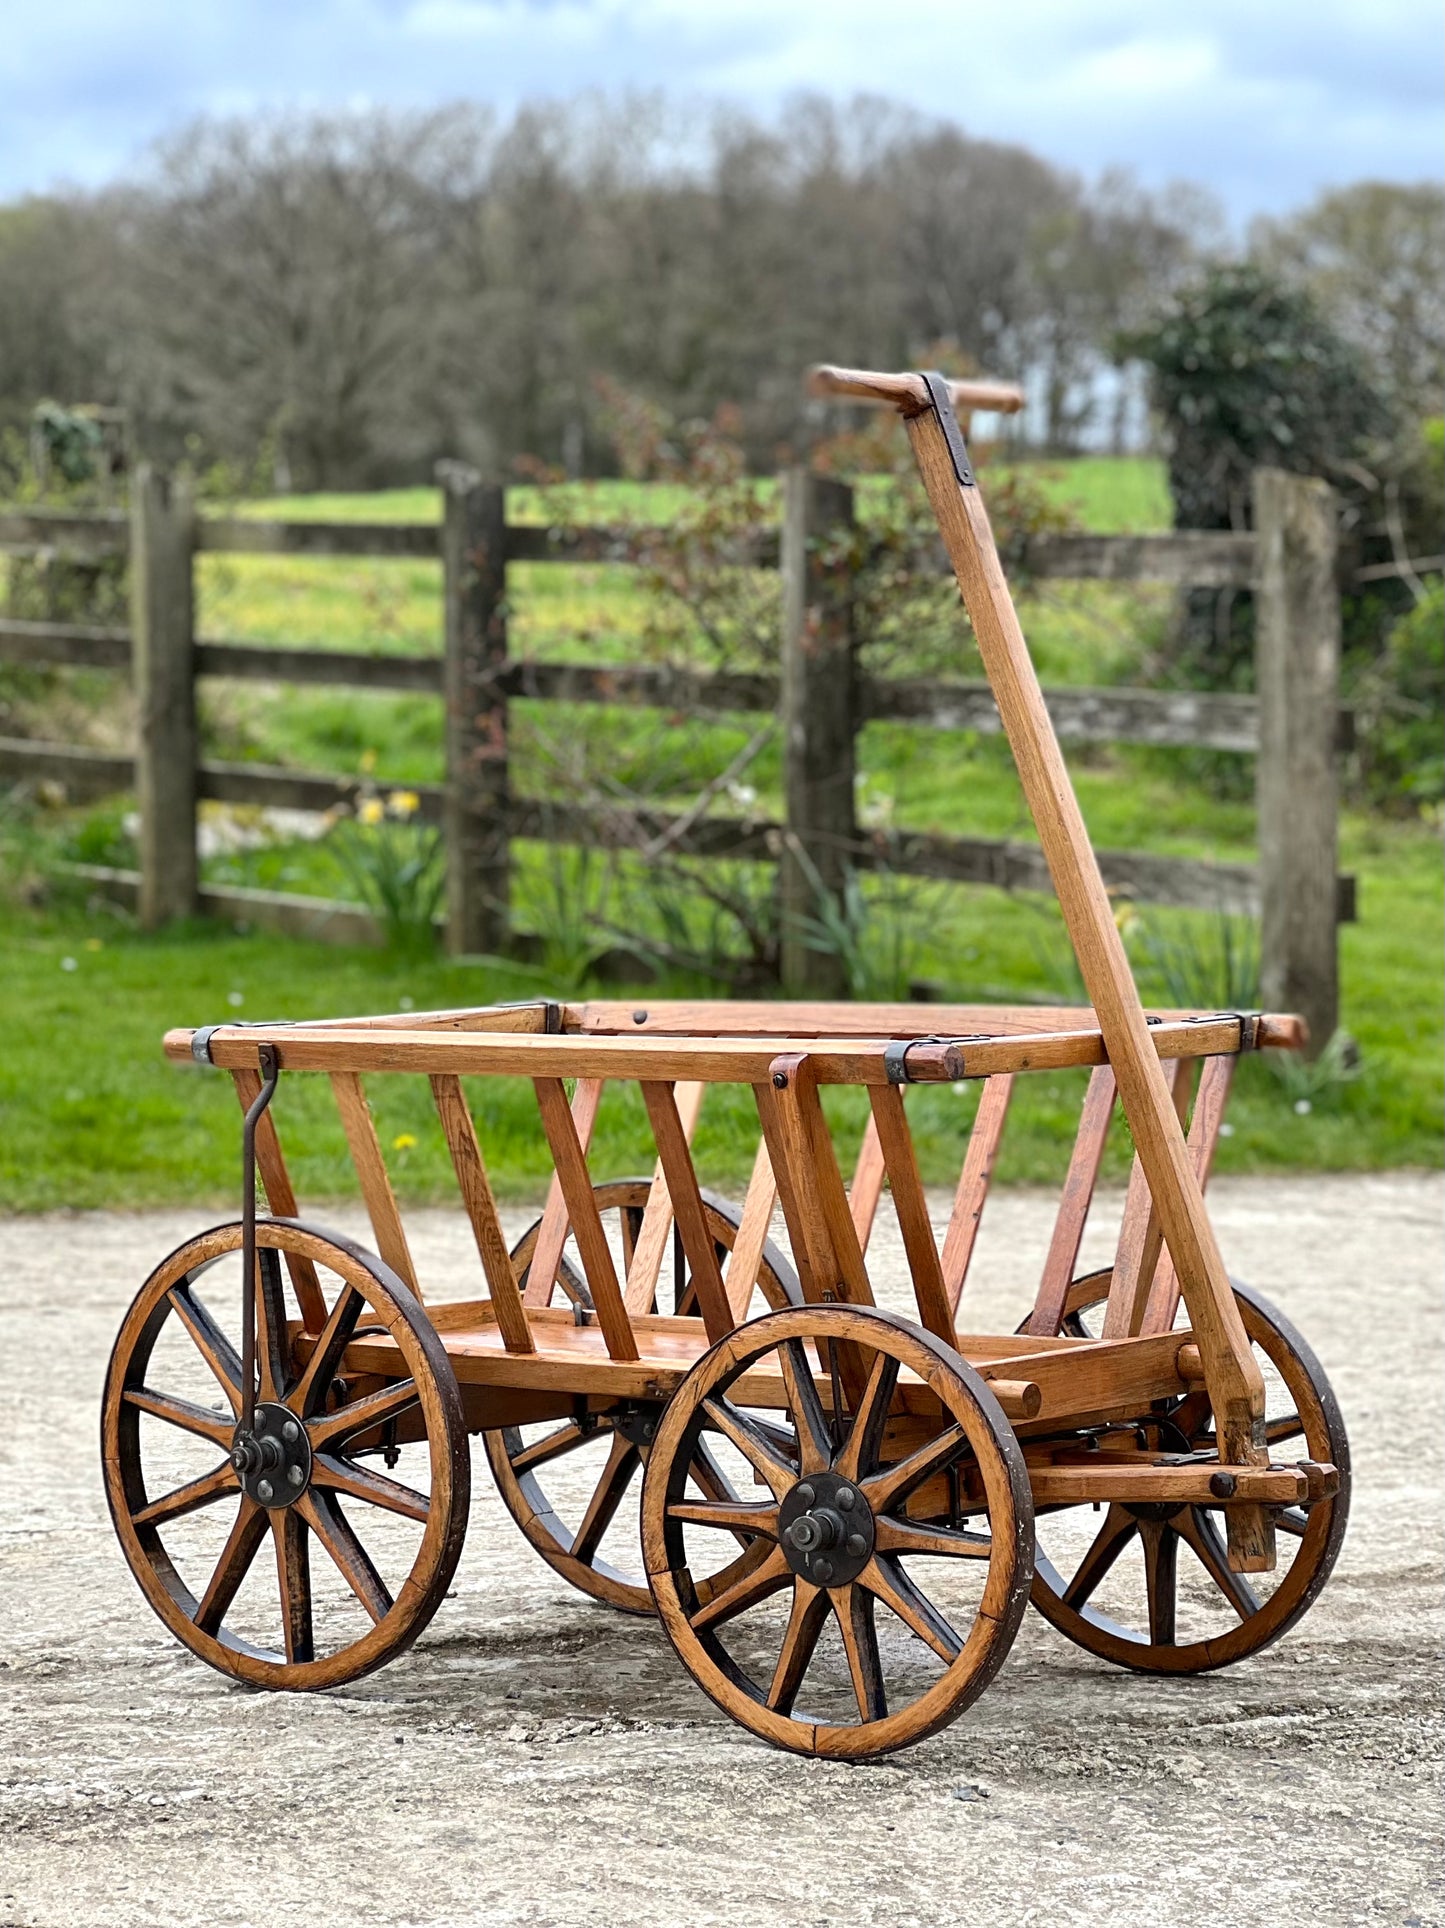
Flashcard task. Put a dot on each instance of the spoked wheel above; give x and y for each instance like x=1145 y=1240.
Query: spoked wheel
x=358 y=1558
x=564 y=1482
x=843 y=1514
x=1149 y=1586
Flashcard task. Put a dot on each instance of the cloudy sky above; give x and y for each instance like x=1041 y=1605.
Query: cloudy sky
x=1264 y=101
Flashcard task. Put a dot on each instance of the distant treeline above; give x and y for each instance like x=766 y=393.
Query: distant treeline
x=334 y=301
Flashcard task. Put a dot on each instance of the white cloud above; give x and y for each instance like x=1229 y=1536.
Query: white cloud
x=1263 y=103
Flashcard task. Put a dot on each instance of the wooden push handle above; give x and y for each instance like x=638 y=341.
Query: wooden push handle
x=909 y=393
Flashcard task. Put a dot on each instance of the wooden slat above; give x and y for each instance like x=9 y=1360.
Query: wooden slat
x=552 y=1234
x=1141 y=1232
x=101 y=532
x=867 y=1187
x=1210 y=1101
x=86 y=645
x=359 y=669
x=935 y=1308
x=807 y=1130
x=1078 y=1193
x=1203 y=558
x=789 y=1154
x=248 y=535
x=481 y=1209
x=281 y=1198
x=746 y=1257
x=686 y=1201
x=786 y=1018
x=587 y=1229
x=973 y=1183
x=371 y=1171
x=657 y=1218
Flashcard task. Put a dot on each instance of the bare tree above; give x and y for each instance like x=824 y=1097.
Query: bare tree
x=1373 y=256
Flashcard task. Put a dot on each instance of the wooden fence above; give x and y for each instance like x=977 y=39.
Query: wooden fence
x=1295 y=725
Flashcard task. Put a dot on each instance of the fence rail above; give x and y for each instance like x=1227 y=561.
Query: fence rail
x=822 y=696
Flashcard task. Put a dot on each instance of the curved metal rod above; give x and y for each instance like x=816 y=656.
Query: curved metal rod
x=270 y=1065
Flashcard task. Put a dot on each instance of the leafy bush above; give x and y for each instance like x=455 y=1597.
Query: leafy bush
x=1247 y=373
x=1401 y=704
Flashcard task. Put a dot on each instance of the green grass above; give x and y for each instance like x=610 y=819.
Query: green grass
x=90 y=1114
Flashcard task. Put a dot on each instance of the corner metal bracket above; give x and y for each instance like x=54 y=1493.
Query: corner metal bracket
x=952 y=434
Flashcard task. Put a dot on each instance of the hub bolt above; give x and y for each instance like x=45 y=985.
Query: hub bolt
x=295 y=1475
x=846 y=1497
x=290 y=1432
x=263 y=1489
x=857 y=1544
x=805 y=1495
x=822 y=1571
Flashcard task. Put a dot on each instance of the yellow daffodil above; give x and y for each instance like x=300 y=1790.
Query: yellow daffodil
x=370 y=810
x=403 y=1141
x=403 y=803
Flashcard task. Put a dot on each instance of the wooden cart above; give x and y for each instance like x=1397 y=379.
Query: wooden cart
x=843 y=1510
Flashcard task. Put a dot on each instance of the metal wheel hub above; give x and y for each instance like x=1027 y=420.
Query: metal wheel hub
x=825 y=1528
x=273 y=1458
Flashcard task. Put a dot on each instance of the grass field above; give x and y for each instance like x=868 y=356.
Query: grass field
x=90 y=1114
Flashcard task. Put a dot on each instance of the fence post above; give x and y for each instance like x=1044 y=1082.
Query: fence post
x=1297 y=678
x=478 y=799
x=162 y=623
x=819 y=721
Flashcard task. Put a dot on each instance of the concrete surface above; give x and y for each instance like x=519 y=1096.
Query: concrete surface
x=538 y=1760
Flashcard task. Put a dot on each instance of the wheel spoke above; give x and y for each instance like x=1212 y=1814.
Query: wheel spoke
x=1200 y=1534
x=895 y=1535
x=293 y=1572
x=761 y=1583
x=322 y=1513
x=234 y=1564
x=887 y=1490
x=566 y=1439
x=209 y=1340
x=1193 y=1416
x=885 y=1578
x=191 y=1497
x=1293 y=1520
x=623 y=1460
x=815 y=1444
x=180 y=1412
x=630 y=1224
x=754 y=1446
x=854 y=1608
x=806 y=1621
x=746 y=1518
x=271 y=1345
x=1109 y=1542
x=311 y=1388
x=333 y=1429
x=861 y=1449
x=1287 y=1426
x=360 y=1483
x=1161 y=1564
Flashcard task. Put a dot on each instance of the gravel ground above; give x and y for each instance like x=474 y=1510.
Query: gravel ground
x=536 y=1759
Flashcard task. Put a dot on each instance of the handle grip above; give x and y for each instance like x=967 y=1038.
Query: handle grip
x=909 y=393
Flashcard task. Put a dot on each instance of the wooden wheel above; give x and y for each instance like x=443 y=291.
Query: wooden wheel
x=580 y=1470
x=1148 y=1586
x=839 y=1517
x=361 y=1558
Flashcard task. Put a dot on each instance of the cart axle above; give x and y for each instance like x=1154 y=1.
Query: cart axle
x=272 y=1456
